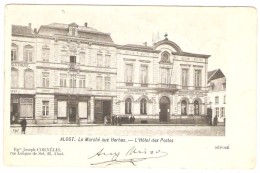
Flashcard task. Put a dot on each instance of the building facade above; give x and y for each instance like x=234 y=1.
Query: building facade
x=66 y=73
x=217 y=94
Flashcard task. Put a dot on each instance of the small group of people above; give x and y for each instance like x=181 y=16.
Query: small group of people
x=118 y=120
x=209 y=118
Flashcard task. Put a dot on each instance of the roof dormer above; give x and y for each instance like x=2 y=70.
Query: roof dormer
x=73 y=29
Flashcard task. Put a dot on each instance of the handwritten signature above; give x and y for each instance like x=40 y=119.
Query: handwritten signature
x=132 y=156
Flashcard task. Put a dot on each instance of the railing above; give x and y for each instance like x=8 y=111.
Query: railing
x=73 y=66
x=167 y=86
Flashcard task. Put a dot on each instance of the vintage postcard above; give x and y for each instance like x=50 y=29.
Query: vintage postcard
x=130 y=86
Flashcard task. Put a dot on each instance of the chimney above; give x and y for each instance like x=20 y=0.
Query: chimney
x=30 y=25
x=86 y=24
x=35 y=30
x=145 y=43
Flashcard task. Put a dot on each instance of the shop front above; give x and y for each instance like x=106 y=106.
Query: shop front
x=72 y=109
x=22 y=106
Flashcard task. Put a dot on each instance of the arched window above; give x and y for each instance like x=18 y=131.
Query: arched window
x=183 y=107
x=128 y=106
x=28 y=78
x=143 y=104
x=14 y=52
x=196 y=107
x=28 y=53
x=165 y=57
x=15 y=79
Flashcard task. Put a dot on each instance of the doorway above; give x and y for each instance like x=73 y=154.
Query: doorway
x=72 y=114
x=164 y=108
x=102 y=109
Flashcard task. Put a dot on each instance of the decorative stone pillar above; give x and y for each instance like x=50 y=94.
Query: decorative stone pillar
x=92 y=106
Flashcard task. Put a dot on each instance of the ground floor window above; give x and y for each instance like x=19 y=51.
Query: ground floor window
x=62 y=109
x=26 y=107
x=196 y=107
x=143 y=104
x=83 y=109
x=184 y=107
x=128 y=106
x=45 y=108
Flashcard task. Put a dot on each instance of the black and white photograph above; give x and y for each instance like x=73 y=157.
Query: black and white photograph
x=129 y=76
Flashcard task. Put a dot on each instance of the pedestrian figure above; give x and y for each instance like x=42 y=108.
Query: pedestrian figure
x=105 y=120
x=133 y=119
x=23 y=125
x=215 y=120
x=209 y=116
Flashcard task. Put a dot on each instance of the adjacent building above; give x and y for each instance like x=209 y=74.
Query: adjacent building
x=66 y=73
x=217 y=94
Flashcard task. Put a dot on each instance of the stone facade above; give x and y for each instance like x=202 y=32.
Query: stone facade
x=75 y=74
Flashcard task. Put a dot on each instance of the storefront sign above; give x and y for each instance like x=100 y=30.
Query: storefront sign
x=26 y=100
x=14 y=91
x=21 y=64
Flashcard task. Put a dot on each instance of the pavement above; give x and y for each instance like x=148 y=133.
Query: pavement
x=124 y=130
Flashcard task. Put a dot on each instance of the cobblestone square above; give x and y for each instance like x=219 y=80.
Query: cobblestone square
x=101 y=130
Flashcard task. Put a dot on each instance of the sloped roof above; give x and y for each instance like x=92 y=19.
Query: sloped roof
x=21 y=30
x=83 y=31
x=215 y=74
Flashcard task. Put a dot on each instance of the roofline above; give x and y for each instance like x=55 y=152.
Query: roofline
x=191 y=54
x=122 y=47
x=96 y=32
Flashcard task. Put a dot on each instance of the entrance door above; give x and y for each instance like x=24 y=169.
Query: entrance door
x=72 y=114
x=102 y=109
x=107 y=108
x=164 y=108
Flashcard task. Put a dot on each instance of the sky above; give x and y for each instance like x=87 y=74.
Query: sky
x=202 y=30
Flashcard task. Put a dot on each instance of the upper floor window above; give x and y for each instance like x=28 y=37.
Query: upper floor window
x=165 y=57
x=99 y=83
x=82 y=81
x=73 y=31
x=129 y=73
x=107 y=60
x=45 y=79
x=144 y=74
x=82 y=58
x=64 y=57
x=73 y=59
x=197 y=78
x=14 y=78
x=165 y=75
x=28 y=78
x=63 y=80
x=224 y=99
x=216 y=100
x=185 y=77
x=223 y=86
x=45 y=54
x=14 y=52
x=143 y=103
x=28 y=53
x=73 y=81
x=99 y=60
x=107 y=83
